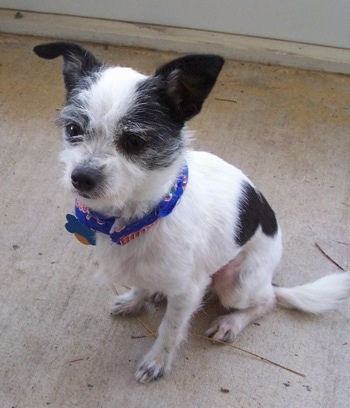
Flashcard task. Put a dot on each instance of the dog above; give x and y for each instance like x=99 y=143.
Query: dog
x=165 y=219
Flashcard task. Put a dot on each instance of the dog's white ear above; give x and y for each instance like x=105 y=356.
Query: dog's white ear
x=77 y=61
x=189 y=80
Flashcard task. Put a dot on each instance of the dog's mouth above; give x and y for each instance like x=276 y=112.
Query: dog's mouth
x=82 y=194
x=88 y=196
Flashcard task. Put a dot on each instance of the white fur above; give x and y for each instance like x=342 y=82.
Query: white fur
x=317 y=297
x=191 y=248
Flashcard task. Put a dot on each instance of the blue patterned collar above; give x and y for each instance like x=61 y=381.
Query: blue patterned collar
x=86 y=222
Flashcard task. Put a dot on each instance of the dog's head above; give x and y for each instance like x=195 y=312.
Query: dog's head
x=124 y=131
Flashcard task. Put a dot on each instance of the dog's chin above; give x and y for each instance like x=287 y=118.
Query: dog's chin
x=97 y=202
x=89 y=201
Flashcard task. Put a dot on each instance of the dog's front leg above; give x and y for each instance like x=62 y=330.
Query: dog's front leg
x=173 y=329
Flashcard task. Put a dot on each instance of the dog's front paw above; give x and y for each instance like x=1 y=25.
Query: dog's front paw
x=152 y=368
x=154 y=365
x=129 y=304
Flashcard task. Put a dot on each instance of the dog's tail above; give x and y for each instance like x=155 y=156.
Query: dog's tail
x=317 y=297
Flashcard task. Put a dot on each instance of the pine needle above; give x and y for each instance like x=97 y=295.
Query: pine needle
x=152 y=333
x=250 y=353
x=328 y=257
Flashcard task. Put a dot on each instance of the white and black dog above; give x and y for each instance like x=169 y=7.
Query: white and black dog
x=166 y=219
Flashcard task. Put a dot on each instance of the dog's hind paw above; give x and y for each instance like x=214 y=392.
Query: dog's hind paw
x=223 y=329
x=129 y=304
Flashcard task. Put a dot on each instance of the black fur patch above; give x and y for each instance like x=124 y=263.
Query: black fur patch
x=78 y=62
x=153 y=120
x=189 y=80
x=254 y=210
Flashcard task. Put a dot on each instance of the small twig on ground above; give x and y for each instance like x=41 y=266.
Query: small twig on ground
x=225 y=100
x=141 y=337
x=329 y=258
x=115 y=289
x=74 y=361
x=340 y=242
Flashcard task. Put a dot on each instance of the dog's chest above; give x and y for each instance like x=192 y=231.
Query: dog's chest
x=141 y=264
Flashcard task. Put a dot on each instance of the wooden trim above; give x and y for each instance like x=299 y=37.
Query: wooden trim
x=181 y=40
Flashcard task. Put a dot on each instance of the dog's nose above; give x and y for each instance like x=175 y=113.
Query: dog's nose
x=84 y=179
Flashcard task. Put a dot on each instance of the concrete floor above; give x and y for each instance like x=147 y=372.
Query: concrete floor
x=289 y=130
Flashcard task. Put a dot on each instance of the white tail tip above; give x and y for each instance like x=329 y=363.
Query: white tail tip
x=317 y=297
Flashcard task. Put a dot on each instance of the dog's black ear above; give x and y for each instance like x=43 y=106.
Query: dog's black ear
x=77 y=61
x=189 y=80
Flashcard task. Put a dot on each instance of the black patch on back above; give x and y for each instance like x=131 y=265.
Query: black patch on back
x=254 y=210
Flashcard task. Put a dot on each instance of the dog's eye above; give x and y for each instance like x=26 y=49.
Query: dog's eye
x=133 y=143
x=73 y=130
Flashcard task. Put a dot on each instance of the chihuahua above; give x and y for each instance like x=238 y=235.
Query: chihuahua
x=166 y=219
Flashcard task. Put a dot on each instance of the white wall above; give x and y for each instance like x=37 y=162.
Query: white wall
x=322 y=22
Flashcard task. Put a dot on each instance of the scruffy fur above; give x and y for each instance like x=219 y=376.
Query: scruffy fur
x=125 y=141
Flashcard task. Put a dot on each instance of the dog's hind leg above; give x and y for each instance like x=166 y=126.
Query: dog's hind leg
x=227 y=327
x=245 y=285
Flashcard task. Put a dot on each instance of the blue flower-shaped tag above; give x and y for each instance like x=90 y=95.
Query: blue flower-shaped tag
x=83 y=234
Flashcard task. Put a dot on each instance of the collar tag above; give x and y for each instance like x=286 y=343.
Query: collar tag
x=83 y=234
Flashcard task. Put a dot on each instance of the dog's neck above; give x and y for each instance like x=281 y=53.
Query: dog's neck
x=145 y=198
x=151 y=191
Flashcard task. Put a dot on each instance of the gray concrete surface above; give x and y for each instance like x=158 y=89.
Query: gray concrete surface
x=289 y=130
